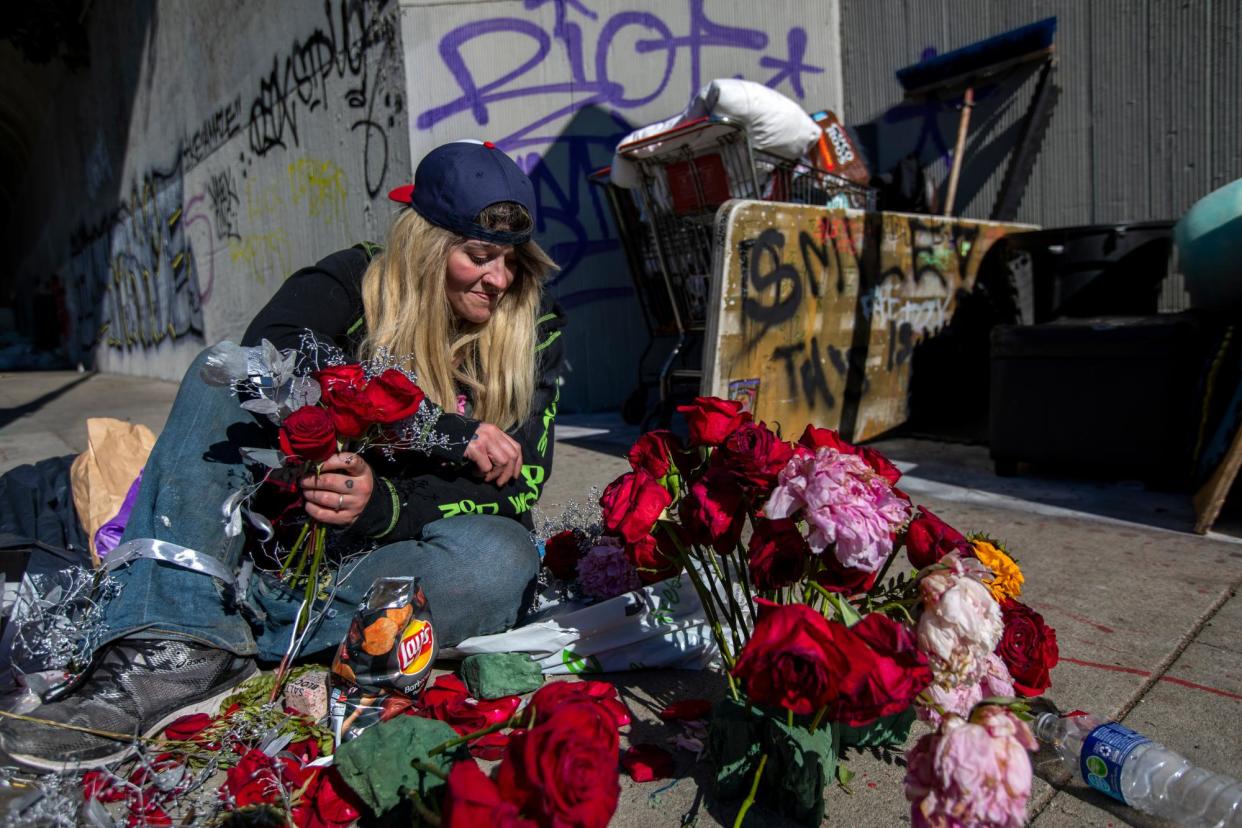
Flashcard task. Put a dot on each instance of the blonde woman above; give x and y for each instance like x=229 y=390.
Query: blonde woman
x=457 y=288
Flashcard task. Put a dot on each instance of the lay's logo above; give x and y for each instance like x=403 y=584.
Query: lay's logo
x=414 y=651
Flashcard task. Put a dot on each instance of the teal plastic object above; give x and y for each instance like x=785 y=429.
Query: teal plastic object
x=1209 y=249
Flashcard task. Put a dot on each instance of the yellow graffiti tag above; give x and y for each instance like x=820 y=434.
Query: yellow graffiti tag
x=321 y=185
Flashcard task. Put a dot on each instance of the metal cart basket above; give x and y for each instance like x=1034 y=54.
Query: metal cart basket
x=666 y=226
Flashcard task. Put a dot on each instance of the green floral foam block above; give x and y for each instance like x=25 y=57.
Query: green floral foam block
x=493 y=675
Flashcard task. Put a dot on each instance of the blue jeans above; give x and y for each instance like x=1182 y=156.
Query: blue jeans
x=477 y=570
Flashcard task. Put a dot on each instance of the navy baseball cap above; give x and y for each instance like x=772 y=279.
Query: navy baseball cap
x=455 y=182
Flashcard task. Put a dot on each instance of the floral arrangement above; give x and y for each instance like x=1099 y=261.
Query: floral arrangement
x=790 y=548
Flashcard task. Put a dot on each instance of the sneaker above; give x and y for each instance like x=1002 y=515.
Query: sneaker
x=139 y=687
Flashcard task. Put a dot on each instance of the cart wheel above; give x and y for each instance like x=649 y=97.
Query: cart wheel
x=635 y=406
x=1005 y=467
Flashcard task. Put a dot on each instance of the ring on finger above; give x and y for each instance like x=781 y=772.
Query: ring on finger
x=340 y=502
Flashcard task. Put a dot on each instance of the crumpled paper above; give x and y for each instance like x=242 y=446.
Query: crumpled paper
x=116 y=451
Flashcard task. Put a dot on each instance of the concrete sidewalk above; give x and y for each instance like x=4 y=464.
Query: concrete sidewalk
x=1146 y=613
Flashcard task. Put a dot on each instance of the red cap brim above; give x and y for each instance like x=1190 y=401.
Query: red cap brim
x=403 y=194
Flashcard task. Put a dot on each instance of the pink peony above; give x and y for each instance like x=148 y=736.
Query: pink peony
x=960 y=700
x=961 y=622
x=971 y=773
x=845 y=503
x=605 y=571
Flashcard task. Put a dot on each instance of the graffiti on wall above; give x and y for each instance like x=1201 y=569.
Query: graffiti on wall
x=561 y=130
x=821 y=306
x=143 y=274
x=357 y=46
x=150 y=290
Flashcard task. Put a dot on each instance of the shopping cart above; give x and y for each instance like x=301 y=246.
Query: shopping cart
x=666 y=227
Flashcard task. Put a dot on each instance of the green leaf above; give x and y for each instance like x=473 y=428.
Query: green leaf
x=890 y=731
x=733 y=745
x=378 y=765
x=800 y=763
x=844 y=776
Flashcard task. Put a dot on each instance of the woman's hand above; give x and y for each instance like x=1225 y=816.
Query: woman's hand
x=496 y=455
x=339 y=493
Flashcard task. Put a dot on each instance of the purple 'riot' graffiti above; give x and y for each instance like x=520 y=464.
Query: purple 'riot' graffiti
x=559 y=160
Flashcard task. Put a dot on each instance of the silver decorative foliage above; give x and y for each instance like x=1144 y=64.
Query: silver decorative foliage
x=58 y=620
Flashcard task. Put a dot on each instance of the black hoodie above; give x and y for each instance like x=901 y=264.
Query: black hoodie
x=413 y=490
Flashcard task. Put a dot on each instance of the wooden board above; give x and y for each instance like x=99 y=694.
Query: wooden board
x=1211 y=497
x=798 y=336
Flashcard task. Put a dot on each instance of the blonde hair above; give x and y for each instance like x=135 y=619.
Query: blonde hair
x=408 y=314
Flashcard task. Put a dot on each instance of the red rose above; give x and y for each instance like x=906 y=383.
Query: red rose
x=712 y=419
x=632 y=503
x=308 y=434
x=687 y=710
x=847 y=580
x=799 y=660
x=102 y=785
x=252 y=780
x=656 y=452
x=563 y=772
x=341 y=390
x=391 y=397
x=778 y=554
x=816 y=438
x=653 y=559
x=335 y=803
x=755 y=453
x=561 y=554
x=1028 y=647
x=187 y=727
x=896 y=673
x=472 y=799
x=713 y=512
x=880 y=464
x=646 y=763
x=555 y=695
x=928 y=539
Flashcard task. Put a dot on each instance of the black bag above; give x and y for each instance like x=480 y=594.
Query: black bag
x=36 y=502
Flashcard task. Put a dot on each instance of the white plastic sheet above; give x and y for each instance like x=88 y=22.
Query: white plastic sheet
x=661 y=625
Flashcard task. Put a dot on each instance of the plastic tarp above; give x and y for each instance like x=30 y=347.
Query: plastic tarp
x=660 y=625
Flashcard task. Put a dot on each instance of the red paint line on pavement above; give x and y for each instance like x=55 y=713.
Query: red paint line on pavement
x=1111 y=667
x=1202 y=687
x=1145 y=673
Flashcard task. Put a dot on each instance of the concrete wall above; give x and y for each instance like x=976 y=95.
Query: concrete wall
x=557 y=82
x=209 y=151
x=1148 y=118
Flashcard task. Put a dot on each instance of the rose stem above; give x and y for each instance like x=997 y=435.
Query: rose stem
x=754 y=789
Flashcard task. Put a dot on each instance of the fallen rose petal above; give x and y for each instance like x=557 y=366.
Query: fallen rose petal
x=187 y=727
x=489 y=748
x=101 y=785
x=645 y=763
x=687 y=709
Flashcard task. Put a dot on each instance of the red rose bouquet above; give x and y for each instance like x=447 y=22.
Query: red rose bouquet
x=789 y=547
x=322 y=405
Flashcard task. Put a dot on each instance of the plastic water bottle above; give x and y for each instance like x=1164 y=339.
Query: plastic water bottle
x=1143 y=774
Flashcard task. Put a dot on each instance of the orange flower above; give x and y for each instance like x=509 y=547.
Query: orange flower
x=1006 y=580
